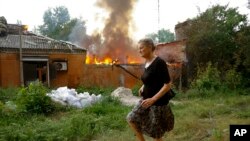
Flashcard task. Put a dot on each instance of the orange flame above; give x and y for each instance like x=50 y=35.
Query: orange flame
x=105 y=61
x=109 y=61
x=94 y=60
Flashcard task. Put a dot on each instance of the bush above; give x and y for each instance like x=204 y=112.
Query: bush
x=209 y=79
x=95 y=90
x=33 y=99
x=1 y=107
x=232 y=79
x=8 y=94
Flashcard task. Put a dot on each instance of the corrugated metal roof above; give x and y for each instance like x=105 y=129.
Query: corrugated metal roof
x=37 y=43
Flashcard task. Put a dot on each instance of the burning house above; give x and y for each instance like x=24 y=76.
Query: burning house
x=112 y=52
x=110 y=58
x=27 y=57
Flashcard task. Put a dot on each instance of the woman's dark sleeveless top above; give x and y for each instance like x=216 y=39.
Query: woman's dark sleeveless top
x=153 y=78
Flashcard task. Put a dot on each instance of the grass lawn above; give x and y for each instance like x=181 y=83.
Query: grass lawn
x=197 y=118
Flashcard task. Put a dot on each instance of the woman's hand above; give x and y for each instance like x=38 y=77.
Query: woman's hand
x=148 y=102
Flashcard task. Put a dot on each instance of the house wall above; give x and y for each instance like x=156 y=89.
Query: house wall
x=74 y=74
x=10 y=74
x=78 y=73
x=172 y=52
x=9 y=70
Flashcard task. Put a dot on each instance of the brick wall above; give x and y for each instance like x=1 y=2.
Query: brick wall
x=10 y=66
x=78 y=72
x=72 y=77
x=9 y=70
x=111 y=76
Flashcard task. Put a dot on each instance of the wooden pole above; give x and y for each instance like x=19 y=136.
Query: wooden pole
x=20 y=55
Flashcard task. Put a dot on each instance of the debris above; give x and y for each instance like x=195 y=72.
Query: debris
x=70 y=97
x=126 y=96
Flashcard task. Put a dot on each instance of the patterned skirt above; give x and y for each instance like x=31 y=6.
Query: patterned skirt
x=153 y=121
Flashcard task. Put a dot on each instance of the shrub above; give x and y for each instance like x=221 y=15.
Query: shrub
x=95 y=90
x=1 y=107
x=33 y=99
x=232 y=79
x=8 y=94
x=209 y=79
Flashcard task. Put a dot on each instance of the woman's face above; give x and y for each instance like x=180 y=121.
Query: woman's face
x=144 y=50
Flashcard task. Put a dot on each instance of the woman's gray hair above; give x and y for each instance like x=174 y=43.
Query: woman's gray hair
x=147 y=42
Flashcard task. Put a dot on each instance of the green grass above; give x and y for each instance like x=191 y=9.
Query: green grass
x=197 y=117
x=8 y=94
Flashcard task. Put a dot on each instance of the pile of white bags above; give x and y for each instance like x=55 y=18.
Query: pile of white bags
x=70 y=97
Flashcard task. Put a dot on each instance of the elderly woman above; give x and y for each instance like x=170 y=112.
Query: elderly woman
x=152 y=116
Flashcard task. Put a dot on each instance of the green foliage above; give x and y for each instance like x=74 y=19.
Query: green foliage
x=33 y=99
x=95 y=90
x=162 y=35
x=1 y=107
x=3 y=26
x=101 y=117
x=233 y=80
x=208 y=79
x=214 y=36
x=76 y=124
x=8 y=94
x=106 y=120
x=54 y=19
x=7 y=98
x=242 y=56
x=58 y=25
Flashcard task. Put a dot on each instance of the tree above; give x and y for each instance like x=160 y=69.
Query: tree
x=162 y=35
x=242 y=55
x=58 y=25
x=3 y=26
x=212 y=37
x=54 y=21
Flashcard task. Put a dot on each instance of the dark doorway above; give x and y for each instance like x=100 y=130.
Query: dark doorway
x=34 y=71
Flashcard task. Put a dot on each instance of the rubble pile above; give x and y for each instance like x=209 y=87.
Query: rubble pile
x=66 y=96
x=125 y=95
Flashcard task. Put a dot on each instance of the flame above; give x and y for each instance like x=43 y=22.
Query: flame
x=25 y=27
x=105 y=61
x=92 y=59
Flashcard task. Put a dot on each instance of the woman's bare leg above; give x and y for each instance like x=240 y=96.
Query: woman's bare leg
x=138 y=134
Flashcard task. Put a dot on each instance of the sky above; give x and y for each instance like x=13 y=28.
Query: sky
x=146 y=17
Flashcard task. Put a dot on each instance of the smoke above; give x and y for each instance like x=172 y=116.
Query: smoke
x=115 y=39
x=248 y=4
x=78 y=32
